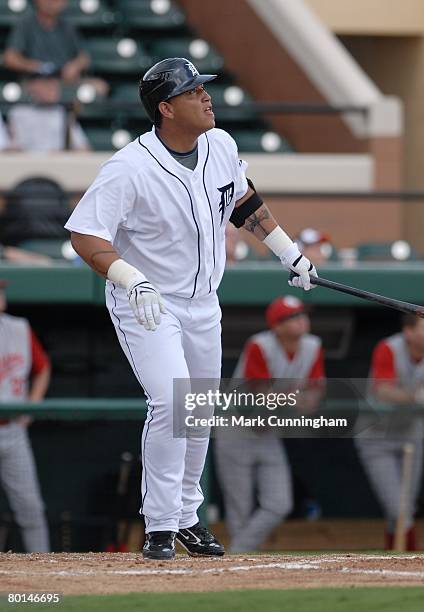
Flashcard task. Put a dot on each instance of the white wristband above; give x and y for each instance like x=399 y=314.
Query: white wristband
x=278 y=241
x=124 y=274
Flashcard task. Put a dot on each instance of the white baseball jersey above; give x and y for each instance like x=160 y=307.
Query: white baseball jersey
x=163 y=218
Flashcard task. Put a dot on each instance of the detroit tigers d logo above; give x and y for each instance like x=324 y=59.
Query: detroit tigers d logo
x=227 y=193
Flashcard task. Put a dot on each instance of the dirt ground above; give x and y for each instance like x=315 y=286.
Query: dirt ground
x=105 y=573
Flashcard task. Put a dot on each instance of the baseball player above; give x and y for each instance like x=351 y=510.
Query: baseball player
x=153 y=223
x=21 y=358
x=258 y=467
x=396 y=377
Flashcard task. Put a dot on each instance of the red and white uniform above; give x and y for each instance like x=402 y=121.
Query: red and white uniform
x=380 y=446
x=263 y=357
x=21 y=356
x=258 y=467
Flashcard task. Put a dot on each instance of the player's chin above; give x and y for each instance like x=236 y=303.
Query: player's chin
x=209 y=121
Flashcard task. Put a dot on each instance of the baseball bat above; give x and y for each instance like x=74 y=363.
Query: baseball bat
x=405 y=492
x=368 y=295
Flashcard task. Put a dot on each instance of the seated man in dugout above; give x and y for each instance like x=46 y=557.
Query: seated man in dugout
x=397 y=378
x=45 y=49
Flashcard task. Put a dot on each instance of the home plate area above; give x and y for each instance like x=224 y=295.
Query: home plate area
x=105 y=573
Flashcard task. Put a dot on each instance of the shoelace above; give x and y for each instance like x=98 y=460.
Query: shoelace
x=202 y=533
x=163 y=537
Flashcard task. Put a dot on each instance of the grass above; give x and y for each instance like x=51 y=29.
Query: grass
x=388 y=599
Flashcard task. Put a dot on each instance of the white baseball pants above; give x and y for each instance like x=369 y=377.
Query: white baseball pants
x=186 y=345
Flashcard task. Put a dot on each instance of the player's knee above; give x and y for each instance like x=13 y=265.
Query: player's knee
x=280 y=505
x=285 y=507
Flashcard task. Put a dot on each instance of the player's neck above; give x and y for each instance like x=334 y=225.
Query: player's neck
x=291 y=346
x=177 y=141
x=415 y=353
x=48 y=22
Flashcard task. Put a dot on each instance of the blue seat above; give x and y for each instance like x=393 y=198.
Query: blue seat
x=105 y=138
x=125 y=96
x=117 y=56
x=398 y=250
x=231 y=100
x=260 y=141
x=197 y=51
x=11 y=91
x=150 y=14
x=11 y=11
x=90 y=14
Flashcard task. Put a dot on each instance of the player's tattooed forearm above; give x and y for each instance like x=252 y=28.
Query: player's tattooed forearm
x=96 y=254
x=254 y=223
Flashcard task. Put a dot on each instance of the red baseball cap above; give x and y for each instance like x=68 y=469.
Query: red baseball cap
x=283 y=308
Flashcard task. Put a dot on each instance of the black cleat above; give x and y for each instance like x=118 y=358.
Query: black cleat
x=199 y=542
x=159 y=545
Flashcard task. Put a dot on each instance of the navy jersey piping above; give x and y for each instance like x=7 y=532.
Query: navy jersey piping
x=192 y=211
x=210 y=208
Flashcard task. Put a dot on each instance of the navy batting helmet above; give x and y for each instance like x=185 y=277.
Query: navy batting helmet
x=169 y=78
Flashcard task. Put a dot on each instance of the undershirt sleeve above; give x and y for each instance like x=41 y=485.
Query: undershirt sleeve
x=382 y=364
x=255 y=365
x=317 y=371
x=39 y=358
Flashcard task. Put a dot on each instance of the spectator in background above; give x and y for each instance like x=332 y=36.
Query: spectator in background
x=396 y=377
x=24 y=376
x=314 y=245
x=44 y=44
x=258 y=466
x=46 y=51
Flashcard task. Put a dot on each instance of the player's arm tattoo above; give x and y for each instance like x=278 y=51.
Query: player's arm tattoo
x=258 y=223
x=93 y=256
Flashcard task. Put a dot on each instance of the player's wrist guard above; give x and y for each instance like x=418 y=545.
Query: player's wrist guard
x=278 y=241
x=125 y=275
